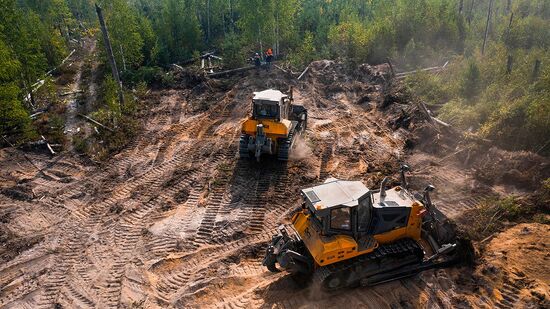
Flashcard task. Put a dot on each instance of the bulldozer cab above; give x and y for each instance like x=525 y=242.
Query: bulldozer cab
x=349 y=208
x=270 y=104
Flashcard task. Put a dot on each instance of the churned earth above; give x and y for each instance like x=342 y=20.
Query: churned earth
x=177 y=220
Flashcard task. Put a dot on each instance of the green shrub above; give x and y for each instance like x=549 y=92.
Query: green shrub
x=471 y=81
x=305 y=54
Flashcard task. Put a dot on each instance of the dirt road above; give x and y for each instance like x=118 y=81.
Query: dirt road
x=177 y=220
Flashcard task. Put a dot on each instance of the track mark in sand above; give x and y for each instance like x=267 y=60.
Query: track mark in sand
x=249 y=299
x=28 y=285
x=173 y=283
x=249 y=268
x=325 y=158
x=457 y=207
x=83 y=300
x=509 y=295
x=128 y=234
x=161 y=246
x=130 y=231
x=215 y=201
x=177 y=111
x=257 y=206
x=79 y=231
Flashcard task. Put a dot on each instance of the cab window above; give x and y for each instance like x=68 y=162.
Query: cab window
x=265 y=109
x=340 y=219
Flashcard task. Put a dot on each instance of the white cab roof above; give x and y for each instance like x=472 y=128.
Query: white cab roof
x=335 y=192
x=269 y=95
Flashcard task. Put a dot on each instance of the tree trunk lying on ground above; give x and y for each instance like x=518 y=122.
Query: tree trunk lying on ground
x=95 y=122
x=250 y=67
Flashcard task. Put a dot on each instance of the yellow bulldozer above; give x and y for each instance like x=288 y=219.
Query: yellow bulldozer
x=273 y=127
x=347 y=235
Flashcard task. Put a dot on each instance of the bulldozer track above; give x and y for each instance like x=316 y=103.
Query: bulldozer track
x=255 y=207
x=509 y=295
x=130 y=232
x=171 y=283
x=174 y=281
x=80 y=231
x=83 y=301
x=216 y=201
x=249 y=299
x=325 y=158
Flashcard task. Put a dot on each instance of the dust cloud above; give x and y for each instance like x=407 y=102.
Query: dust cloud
x=300 y=149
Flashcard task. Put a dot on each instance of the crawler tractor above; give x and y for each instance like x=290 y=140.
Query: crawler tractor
x=347 y=235
x=273 y=126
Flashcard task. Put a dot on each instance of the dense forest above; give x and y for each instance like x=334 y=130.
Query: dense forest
x=497 y=83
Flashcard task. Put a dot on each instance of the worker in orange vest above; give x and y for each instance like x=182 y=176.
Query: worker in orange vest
x=268 y=58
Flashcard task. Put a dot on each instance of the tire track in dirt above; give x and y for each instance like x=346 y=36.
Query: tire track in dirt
x=80 y=228
x=215 y=200
x=172 y=284
x=130 y=228
x=509 y=295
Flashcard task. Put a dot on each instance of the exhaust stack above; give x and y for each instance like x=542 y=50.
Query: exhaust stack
x=427 y=199
x=383 y=189
x=404 y=168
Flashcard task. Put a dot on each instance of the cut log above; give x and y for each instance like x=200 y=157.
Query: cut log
x=278 y=67
x=96 y=122
x=72 y=92
x=232 y=71
x=441 y=122
x=179 y=67
x=303 y=73
x=48 y=145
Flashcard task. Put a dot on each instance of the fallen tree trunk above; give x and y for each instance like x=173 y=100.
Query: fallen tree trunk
x=433 y=69
x=288 y=71
x=48 y=145
x=62 y=62
x=71 y=92
x=97 y=123
x=433 y=120
x=232 y=71
x=304 y=72
x=441 y=122
x=285 y=71
x=33 y=116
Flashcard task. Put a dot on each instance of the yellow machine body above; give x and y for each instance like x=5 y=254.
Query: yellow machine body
x=348 y=235
x=272 y=128
x=326 y=250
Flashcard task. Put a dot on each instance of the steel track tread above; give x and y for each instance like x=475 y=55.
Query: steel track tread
x=284 y=148
x=383 y=252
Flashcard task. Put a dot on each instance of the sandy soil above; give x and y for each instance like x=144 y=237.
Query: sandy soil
x=176 y=220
